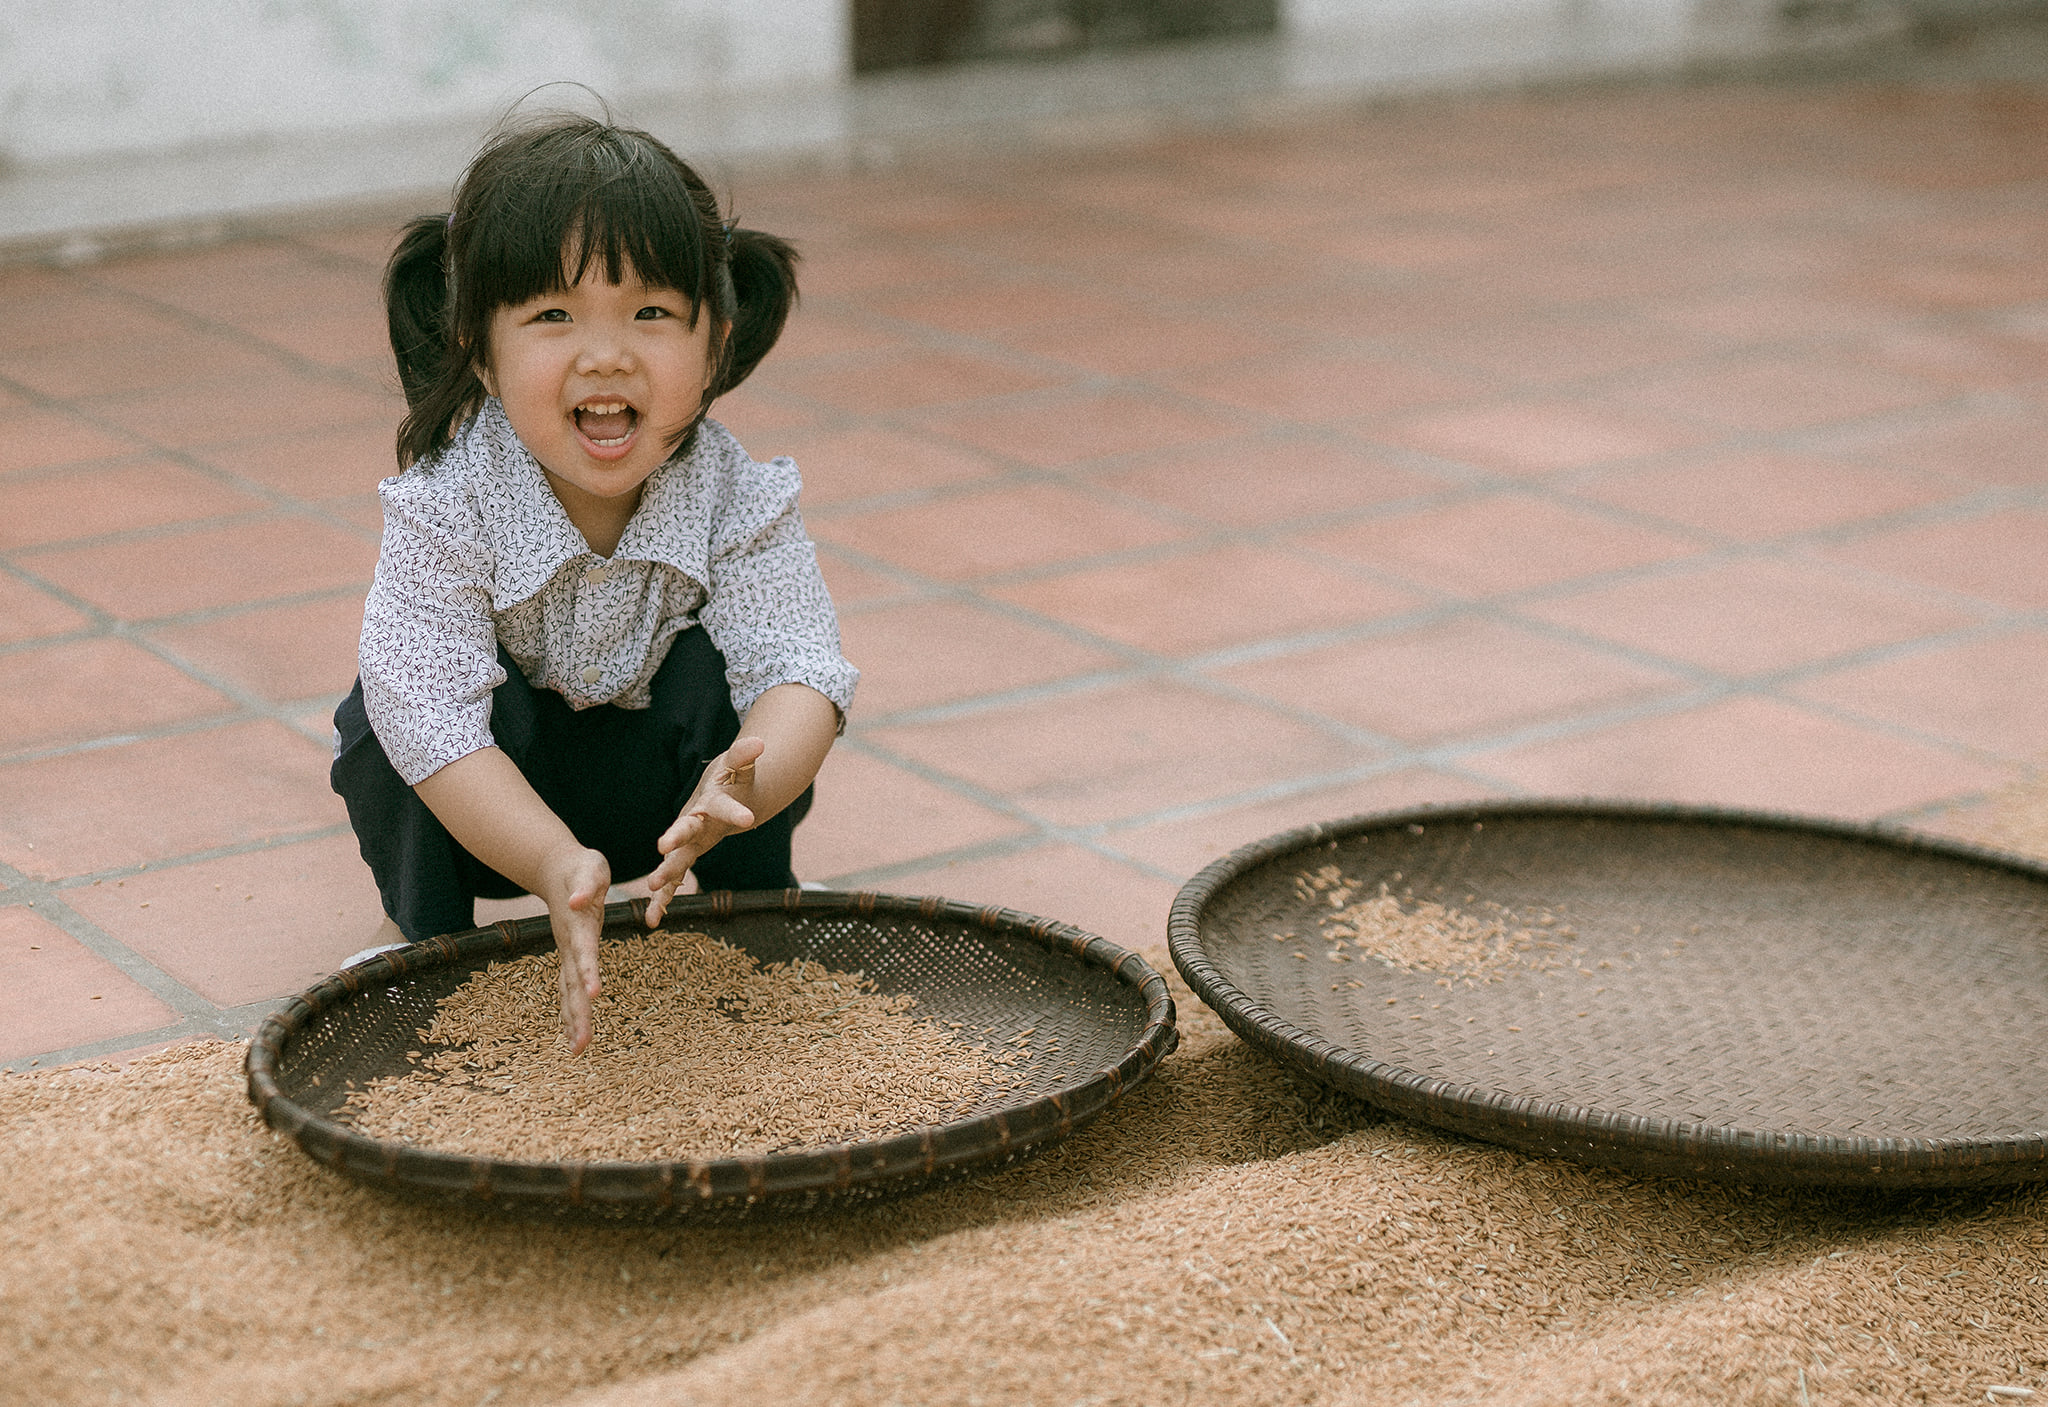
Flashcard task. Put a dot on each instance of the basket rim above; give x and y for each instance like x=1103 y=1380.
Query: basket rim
x=676 y=1186
x=1586 y=1133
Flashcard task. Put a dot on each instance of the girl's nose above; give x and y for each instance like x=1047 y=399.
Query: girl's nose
x=604 y=350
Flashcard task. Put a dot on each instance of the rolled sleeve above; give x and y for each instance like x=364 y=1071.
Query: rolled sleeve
x=767 y=609
x=428 y=654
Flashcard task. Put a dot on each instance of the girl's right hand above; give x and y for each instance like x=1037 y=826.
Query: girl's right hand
x=576 y=911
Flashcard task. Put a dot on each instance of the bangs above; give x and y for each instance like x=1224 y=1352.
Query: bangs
x=576 y=201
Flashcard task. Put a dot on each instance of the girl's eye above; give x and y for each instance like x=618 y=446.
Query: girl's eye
x=653 y=310
x=551 y=315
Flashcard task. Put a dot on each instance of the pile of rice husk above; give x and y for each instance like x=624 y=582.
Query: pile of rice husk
x=1224 y=1236
x=1421 y=935
x=788 y=1055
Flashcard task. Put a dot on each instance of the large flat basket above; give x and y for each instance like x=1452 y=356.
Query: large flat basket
x=1102 y=1020
x=1702 y=993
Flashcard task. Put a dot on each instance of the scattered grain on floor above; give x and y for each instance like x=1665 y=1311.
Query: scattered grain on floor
x=1226 y=1236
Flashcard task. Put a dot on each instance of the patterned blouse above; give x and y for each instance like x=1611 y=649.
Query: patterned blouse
x=478 y=552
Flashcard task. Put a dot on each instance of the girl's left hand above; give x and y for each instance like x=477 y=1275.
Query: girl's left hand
x=720 y=806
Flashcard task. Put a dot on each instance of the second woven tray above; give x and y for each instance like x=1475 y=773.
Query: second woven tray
x=1753 y=998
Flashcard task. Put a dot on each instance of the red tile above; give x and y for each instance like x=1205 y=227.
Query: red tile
x=1566 y=281
x=758 y=415
x=38 y=439
x=983 y=304
x=362 y=510
x=1745 y=752
x=995 y=530
x=261 y=405
x=1968 y=358
x=1982 y=693
x=1253 y=483
x=1762 y=494
x=1404 y=246
x=1186 y=845
x=1070 y=241
x=64 y=505
x=243 y=928
x=864 y=269
x=1072 y=428
x=907 y=379
x=1349 y=311
x=97 y=688
x=1996 y=556
x=29 y=614
x=1770 y=315
x=371 y=244
x=315 y=464
x=1778 y=392
x=1537 y=436
x=932 y=652
x=1752 y=616
x=817 y=332
x=1204 y=272
x=195 y=568
x=106 y=807
x=1206 y=599
x=841 y=837
x=841 y=465
x=47 y=307
x=1320 y=387
x=1459 y=678
x=298 y=651
x=2000 y=444
x=252 y=284
x=1140 y=343
x=1124 y=750
x=354 y=340
x=1531 y=351
x=853 y=585
x=1099 y=895
x=152 y=359
x=1497 y=543
x=1939 y=281
x=55 y=993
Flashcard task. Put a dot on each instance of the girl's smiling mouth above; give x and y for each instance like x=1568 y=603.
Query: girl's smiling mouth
x=607 y=424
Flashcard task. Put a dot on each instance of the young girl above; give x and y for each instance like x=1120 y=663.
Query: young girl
x=598 y=643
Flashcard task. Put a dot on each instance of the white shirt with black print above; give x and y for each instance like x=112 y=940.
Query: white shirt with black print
x=478 y=552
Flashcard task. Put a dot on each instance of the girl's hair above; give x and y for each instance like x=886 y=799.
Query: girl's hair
x=540 y=195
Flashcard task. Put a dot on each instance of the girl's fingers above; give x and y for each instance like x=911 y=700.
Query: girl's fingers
x=683 y=831
x=657 y=903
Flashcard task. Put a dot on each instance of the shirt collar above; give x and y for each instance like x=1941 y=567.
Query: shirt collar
x=670 y=526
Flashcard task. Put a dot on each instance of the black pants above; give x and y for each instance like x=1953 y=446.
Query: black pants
x=617 y=777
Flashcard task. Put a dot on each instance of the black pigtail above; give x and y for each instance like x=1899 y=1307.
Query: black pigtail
x=416 y=312
x=763 y=271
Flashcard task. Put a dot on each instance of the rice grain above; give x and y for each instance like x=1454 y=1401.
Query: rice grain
x=697 y=1051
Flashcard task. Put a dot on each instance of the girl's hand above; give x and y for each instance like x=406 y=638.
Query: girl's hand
x=575 y=894
x=722 y=805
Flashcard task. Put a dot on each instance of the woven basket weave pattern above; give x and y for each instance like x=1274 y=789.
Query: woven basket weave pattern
x=1742 y=996
x=1100 y=1018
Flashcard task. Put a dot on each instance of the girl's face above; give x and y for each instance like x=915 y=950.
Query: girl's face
x=598 y=381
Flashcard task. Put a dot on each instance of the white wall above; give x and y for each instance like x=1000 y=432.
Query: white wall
x=83 y=78
x=132 y=123
x=1417 y=42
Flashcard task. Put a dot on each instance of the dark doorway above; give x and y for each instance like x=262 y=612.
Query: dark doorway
x=905 y=33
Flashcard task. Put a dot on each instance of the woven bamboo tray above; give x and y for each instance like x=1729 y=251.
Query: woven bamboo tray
x=985 y=967
x=1719 y=994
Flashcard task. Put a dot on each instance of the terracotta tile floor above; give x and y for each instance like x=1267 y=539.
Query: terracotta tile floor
x=1682 y=442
